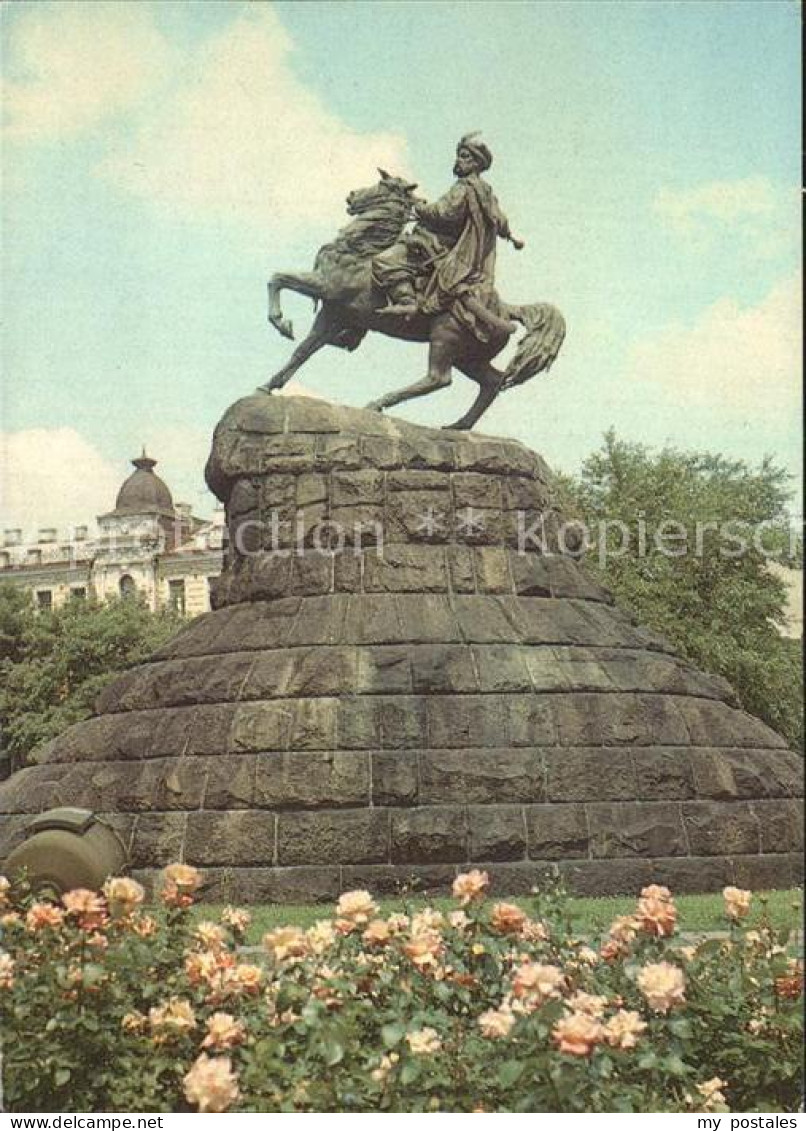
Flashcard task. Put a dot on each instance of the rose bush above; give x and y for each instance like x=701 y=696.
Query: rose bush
x=105 y=1007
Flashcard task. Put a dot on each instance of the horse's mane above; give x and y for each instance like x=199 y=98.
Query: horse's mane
x=370 y=232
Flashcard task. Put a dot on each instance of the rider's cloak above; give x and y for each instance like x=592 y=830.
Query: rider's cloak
x=467 y=220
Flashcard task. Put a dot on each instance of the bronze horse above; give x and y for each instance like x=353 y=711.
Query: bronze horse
x=342 y=282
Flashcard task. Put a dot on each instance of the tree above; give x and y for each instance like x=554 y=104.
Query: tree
x=54 y=664
x=685 y=540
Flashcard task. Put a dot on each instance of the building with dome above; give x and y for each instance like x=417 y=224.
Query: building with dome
x=147 y=545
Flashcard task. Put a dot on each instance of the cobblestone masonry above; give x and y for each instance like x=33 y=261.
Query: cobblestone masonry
x=426 y=696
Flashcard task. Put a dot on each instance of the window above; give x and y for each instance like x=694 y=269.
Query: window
x=176 y=595
x=78 y=593
x=34 y=557
x=127 y=586
x=44 y=600
x=5 y=559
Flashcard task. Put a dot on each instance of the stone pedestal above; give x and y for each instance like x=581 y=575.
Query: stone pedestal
x=403 y=677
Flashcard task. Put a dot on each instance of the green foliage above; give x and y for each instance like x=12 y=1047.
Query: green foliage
x=54 y=664
x=482 y=1008
x=721 y=608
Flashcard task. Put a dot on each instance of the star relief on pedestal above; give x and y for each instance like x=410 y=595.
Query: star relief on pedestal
x=470 y=522
x=431 y=522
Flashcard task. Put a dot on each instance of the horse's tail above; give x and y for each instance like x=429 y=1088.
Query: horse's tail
x=537 y=350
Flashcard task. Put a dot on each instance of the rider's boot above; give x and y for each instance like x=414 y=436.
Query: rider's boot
x=403 y=299
x=490 y=318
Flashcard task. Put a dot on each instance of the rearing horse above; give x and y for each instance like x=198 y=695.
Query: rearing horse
x=342 y=282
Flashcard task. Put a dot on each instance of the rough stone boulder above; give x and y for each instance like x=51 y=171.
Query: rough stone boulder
x=403 y=677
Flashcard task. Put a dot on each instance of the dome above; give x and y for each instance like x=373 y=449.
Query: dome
x=144 y=491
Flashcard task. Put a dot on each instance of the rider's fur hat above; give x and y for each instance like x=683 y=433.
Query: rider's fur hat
x=477 y=148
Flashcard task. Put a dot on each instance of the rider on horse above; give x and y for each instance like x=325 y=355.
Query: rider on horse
x=448 y=261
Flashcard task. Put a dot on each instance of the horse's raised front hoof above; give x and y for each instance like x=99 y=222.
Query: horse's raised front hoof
x=282 y=326
x=459 y=426
x=374 y=406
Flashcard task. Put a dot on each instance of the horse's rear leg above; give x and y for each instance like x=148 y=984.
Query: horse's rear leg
x=490 y=379
x=440 y=361
x=304 y=284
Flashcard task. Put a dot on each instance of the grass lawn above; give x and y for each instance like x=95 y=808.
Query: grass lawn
x=589 y=916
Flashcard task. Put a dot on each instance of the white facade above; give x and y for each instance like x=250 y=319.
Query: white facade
x=147 y=544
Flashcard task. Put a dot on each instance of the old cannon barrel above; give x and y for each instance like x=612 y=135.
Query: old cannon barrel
x=66 y=848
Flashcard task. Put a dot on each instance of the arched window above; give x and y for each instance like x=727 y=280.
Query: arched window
x=127 y=586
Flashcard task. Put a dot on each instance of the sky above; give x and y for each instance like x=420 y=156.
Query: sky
x=160 y=161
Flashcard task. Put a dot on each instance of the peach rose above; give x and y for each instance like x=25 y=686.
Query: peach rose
x=623 y=1029
x=624 y=928
x=377 y=933
x=591 y=1004
x=6 y=972
x=459 y=920
x=211 y=1084
x=208 y=967
x=134 y=1022
x=5 y=892
x=199 y=967
x=286 y=943
x=655 y=891
x=224 y=1032
x=212 y=936
x=357 y=906
x=123 y=894
x=236 y=918
x=245 y=978
x=424 y=949
x=577 y=1034
x=427 y=920
x=657 y=917
x=182 y=876
x=424 y=1041
x=737 y=902
x=42 y=915
x=507 y=919
x=387 y=1063
x=535 y=931
x=496 y=1023
x=470 y=886
x=535 y=981
x=144 y=925
x=712 y=1095
x=180 y=881
x=173 y=1018
x=87 y=907
x=321 y=936
x=663 y=986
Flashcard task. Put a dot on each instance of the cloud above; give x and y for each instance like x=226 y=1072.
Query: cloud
x=739 y=359
x=53 y=477
x=76 y=64
x=240 y=136
x=760 y=216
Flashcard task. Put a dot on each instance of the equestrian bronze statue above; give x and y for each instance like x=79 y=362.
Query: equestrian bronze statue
x=434 y=283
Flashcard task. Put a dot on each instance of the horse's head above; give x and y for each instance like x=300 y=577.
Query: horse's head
x=388 y=192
